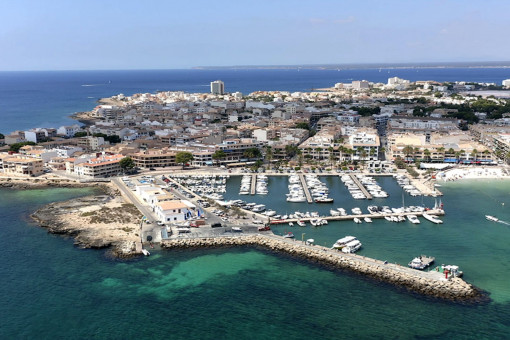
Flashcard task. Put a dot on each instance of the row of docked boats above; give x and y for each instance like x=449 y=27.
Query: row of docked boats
x=245 y=185
x=318 y=190
x=372 y=186
x=261 y=185
x=405 y=183
x=204 y=185
x=353 y=188
x=347 y=244
x=296 y=192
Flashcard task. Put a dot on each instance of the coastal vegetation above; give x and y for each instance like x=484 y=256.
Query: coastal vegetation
x=17 y=146
x=183 y=158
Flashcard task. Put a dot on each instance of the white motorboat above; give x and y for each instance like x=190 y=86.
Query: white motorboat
x=491 y=218
x=413 y=219
x=289 y=235
x=259 y=208
x=334 y=212
x=301 y=223
x=432 y=219
x=368 y=219
x=356 y=211
x=291 y=224
x=356 y=220
x=237 y=229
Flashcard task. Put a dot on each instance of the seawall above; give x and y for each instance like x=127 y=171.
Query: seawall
x=425 y=283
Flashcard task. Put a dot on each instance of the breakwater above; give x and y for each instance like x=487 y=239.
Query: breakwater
x=425 y=283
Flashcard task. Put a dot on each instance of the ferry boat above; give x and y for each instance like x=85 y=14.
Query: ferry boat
x=259 y=208
x=340 y=243
x=421 y=262
x=491 y=218
x=351 y=247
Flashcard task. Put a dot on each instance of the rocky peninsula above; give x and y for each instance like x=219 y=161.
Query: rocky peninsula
x=425 y=283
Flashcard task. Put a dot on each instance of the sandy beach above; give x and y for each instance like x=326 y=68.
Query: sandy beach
x=473 y=173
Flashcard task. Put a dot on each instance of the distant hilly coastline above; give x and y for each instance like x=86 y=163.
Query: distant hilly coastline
x=485 y=64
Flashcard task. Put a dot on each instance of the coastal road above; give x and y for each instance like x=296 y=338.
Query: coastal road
x=147 y=229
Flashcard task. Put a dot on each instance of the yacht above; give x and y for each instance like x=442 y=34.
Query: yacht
x=342 y=211
x=301 y=223
x=357 y=220
x=356 y=211
x=291 y=224
x=324 y=199
x=413 y=219
x=334 y=212
x=432 y=219
x=368 y=219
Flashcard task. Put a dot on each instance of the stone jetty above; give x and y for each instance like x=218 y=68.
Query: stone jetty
x=425 y=283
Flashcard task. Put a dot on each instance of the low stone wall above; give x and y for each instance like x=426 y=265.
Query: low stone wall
x=454 y=289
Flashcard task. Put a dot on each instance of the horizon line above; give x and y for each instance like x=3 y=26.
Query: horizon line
x=430 y=64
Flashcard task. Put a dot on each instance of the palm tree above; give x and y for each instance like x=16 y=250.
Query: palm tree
x=331 y=155
x=269 y=154
x=408 y=150
x=457 y=156
x=485 y=152
x=318 y=150
x=300 y=158
x=474 y=153
x=218 y=155
x=364 y=155
x=441 y=151
x=426 y=152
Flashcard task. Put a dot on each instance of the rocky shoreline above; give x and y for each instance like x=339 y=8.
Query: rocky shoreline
x=98 y=222
x=41 y=183
x=454 y=289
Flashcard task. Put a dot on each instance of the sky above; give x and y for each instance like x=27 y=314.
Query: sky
x=157 y=34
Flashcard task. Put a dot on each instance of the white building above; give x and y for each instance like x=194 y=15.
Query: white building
x=217 y=87
x=68 y=131
x=506 y=83
x=172 y=211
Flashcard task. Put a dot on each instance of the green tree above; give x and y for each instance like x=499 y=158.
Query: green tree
x=80 y=134
x=332 y=156
x=16 y=146
x=2 y=136
x=183 y=157
x=269 y=154
x=127 y=164
x=408 y=151
x=474 y=153
x=252 y=153
x=302 y=125
x=426 y=152
x=219 y=155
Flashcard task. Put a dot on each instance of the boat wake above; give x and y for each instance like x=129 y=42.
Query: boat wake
x=504 y=222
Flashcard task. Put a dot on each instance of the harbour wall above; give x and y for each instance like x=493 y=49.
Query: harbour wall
x=426 y=283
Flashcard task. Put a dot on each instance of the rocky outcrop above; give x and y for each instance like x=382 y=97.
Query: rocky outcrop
x=420 y=282
x=65 y=218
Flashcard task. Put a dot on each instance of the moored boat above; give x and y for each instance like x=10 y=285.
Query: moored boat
x=289 y=235
x=367 y=219
x=421 y=262
x=432 y=219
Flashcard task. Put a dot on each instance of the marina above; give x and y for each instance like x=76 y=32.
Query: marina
x=361 y=187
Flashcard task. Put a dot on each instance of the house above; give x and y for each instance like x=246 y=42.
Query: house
x=172 y=211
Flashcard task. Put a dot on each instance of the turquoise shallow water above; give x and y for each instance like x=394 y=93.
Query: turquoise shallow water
x=51 y=289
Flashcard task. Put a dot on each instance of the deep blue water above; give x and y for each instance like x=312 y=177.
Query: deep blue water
x=46 y=99
x=50 y=289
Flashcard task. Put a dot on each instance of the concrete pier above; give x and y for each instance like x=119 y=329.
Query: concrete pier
x=253 y=184
x=305 y=188
x=427 y=283
x=361 y=187
x=437 y=212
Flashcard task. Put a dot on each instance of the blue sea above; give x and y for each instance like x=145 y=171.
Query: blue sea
x=52 y=290
x=46 y=99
